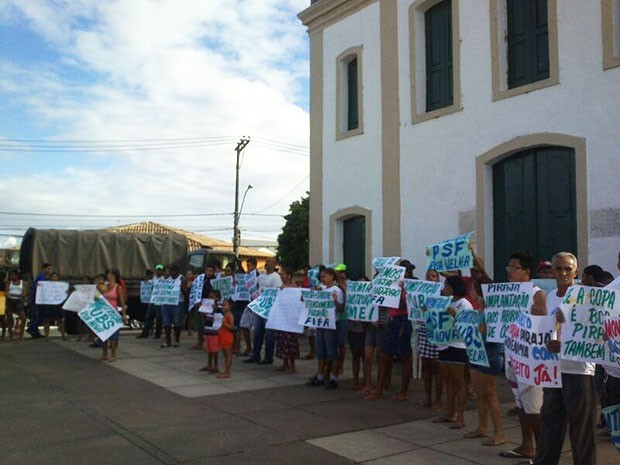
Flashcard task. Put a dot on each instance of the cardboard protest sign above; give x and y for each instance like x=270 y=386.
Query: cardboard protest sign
x=166 y=292
x=225 y=285
x=262 y=305
x=360 y=302
x=439 y=324
x=585 y=311
x=242 y=292
x=252 y=284
x=379 y=262
x=504 y=302
x=2 y=303
x=612 y=334
x=526 y=350
x=81 y=297
x=51 y=292
x=466 y=325
x=101 y=318
x=286 y=311
x=452 y=254
x=206 y=306
x=417 y=292
x=195 y=292
x=612 y=421
x=146 y=289
x=320 y=310
x=386 y=286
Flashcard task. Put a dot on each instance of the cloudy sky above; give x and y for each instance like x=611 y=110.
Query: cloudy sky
x=130 y=110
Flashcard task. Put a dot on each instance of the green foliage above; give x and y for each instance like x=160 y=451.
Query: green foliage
x=293 y=241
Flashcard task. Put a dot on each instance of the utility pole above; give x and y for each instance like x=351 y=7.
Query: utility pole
x=236 y=234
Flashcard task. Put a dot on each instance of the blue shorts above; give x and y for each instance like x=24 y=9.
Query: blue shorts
x=341 y=329
x=171 y=315
x=397 y=337
x=327 y=344
x=496 y=361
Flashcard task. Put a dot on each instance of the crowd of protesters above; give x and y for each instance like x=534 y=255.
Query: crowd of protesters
x=448 y=377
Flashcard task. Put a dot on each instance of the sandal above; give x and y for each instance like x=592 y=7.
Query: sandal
x=513 y=454
x=475 y=435
x=494 y=442
x=222 y=376
x=444 y=420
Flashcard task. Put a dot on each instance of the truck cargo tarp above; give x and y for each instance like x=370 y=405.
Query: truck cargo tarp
x=76 y=254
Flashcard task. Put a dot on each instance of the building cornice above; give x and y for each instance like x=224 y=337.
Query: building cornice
x=324 y=13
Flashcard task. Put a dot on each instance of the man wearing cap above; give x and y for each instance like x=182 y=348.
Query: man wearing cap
x=153 y=310
x=544 y=270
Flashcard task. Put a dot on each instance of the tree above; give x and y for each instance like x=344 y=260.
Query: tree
x=293 y=241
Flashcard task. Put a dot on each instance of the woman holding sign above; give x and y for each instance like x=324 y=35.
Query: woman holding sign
x=453 y=357
x=115 y=295
x=287 y=343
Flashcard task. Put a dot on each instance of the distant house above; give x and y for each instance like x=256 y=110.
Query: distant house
x=430 y=118
x=195 y=241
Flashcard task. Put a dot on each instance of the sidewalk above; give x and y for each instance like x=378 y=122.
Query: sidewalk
x=62 y=405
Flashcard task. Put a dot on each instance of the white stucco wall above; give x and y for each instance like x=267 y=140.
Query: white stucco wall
x=438 y=156
x=352 y=166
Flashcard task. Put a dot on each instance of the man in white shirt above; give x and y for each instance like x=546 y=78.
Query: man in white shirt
x=575 y=402
x=270 y=278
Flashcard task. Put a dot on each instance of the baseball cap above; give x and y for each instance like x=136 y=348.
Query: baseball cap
x=159 y=267
x=340 y=267
x=543 y=264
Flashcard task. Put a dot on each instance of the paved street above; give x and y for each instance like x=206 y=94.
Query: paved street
x=62 y=405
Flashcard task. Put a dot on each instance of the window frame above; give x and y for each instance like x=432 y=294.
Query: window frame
x=342 y=93
x=499 y=51
x=610 y=27
x=417 y=53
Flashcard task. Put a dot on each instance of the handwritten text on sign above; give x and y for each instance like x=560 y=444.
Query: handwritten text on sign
x=612 y=332
x=453 y=254
x=102 y=318
x=146 y=289
x=83 y=295
x=527 y=353
x=386 y=286
x=262 y=305
x=585 y=310
x=467 y=326
x=225 y=286
x=417 y=292
x=360 y=304
x=504 y=302
x=379 y=262
x=439 y=324
x=612 y=420
x=320 y=311
x=51 y=292
x=166 y=292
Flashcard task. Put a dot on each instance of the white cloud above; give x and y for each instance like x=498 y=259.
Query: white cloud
x=140 y=69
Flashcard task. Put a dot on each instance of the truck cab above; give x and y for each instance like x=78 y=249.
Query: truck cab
x=198 y=259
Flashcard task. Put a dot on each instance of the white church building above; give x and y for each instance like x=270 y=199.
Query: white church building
x=431 y=118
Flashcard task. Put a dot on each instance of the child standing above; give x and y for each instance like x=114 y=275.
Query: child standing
x=211 y=343
x=226 y=337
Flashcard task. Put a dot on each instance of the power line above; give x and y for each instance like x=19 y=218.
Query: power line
x=183 y=215
x=285 y=195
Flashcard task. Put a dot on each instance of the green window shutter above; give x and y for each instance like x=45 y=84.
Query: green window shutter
x=528 y=42
x=438 y=36
x=352 y=95
x=354 y=246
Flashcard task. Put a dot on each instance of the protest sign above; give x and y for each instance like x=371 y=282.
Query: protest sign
x=81 y=297
x=51 y=292
x=319 y=311
x=206 y=306
x=166 y=292
x=504 y=302
x=195 y=292
x=252 y=284
x=526 y=350
x=386 y=286
x=439 y=324
x=2 y=303
x=263 y=303
x=359 y=304
x=286 y=311
x=313 y=274
x=612 y=421
x=612 y=334
x=146 y=289
x=225 y=285
x=379 y=262
x=452 y=254
x=466 y=325
x=417 y=292
x=242 y=292
x=585 y=311
x=101 y=318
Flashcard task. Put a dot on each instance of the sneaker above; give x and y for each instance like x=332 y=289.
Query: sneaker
x=314 y=381
x=249 y=360
x=331 y=384
x=164 y=346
